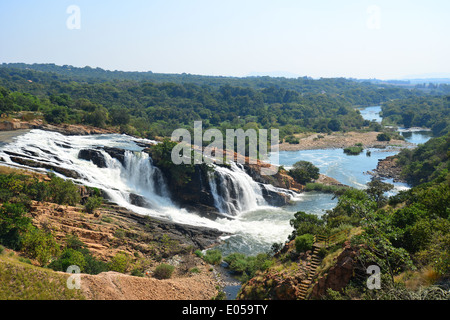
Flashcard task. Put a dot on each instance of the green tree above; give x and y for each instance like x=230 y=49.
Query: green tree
x=377 y=190
x=304 y=223
x=68 y=258
x=119 y=116
x=40 y=245
x=304 y=172
x=13 y=224
x=383 y=137
x=162 y=157
x=98 y=118
x=64 y=191
x=304 y=242
x=92 y=204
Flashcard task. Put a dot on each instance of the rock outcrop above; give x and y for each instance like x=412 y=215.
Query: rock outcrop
x=95 y=156
x=114 y=229
x=339 y=275
x=37 y=164
x=389 y=168
x=279 y=282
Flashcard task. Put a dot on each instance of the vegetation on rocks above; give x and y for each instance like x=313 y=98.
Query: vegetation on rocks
x=304 y=172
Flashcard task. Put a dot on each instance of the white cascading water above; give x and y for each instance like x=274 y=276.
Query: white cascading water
x=235 y=193
x=234 y=190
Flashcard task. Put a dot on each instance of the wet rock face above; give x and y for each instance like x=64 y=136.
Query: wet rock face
x=273 y=198
x=95 y=156
x=35 y=164
x=116 y=153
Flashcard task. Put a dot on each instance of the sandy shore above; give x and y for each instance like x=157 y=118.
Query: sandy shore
x=339 y=140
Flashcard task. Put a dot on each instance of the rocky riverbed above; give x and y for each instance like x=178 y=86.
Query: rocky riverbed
x=340 y=140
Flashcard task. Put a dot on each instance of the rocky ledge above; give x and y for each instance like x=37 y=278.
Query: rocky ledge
x=388 y=168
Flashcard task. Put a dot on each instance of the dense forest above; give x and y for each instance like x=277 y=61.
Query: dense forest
x=150 y=105
x=429 y=112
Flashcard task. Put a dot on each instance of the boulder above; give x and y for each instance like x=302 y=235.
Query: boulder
x=274 y=198
x=116 y=153
x=95 y=156
x=138 y=200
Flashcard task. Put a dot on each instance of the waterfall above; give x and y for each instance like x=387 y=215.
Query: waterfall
x=128 y=177
x=145 y=179
x=115 y=164
x=234 y=190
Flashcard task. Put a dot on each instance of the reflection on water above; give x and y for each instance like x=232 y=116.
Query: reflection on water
x=417 y=137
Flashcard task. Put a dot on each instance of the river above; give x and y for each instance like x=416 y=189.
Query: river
x=255 y=227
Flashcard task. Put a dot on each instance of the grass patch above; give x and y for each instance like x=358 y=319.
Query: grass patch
x=314 y=186
x=23 y=281
x=353 y=151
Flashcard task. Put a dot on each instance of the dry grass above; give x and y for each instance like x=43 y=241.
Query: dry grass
x=22 y=281
x=414 y=280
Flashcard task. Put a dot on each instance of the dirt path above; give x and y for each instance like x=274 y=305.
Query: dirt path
x=339 y=140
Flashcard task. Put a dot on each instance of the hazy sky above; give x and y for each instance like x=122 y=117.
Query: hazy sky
x=317 y=38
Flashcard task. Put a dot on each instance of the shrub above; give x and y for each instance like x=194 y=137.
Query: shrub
x=353 y=151
x=64 y=191
x=305 y=223
x=92 y=204
x=137 y=272
x=76 y=253
x=213 y=257
x=292 y=140
x=304 y=242
x=119 y=263
x=198 y=253
x=194 y=270
x=304 y=172
x=163 y=271
x=247 y=266
x=68 y=258
x=40 y=245
x=383 y=137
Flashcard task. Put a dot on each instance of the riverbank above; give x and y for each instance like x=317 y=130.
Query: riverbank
x=8 y=136
x=339 y=140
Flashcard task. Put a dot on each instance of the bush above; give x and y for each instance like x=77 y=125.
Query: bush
x=92 y=204
x=213 y=257
x=306 y=223
x=304 y=242
x=163 y=271
x=64 y=191
x=353 y=151
x=247 y=266
x=119 y=263
x=292 y=140
x=198 y=253
x=68 y=258
x=40 y=245
x=76 y=253
x=304 y=172
x=383 y=137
